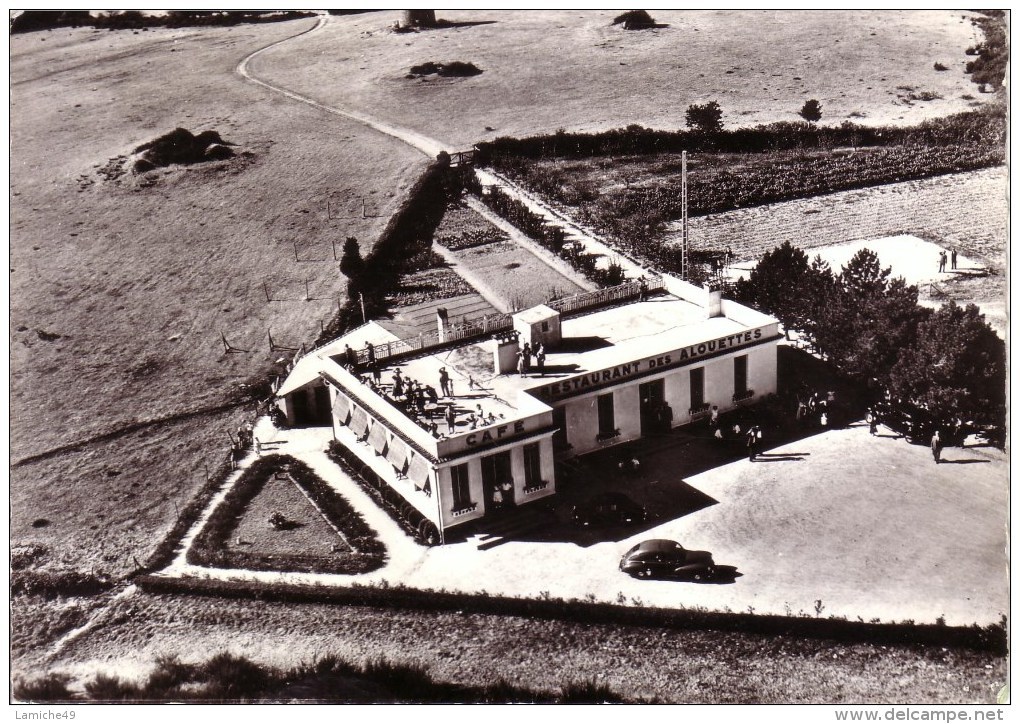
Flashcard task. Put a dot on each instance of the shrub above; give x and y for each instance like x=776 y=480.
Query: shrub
x=588 y=692
x=706 y=118
x=635 y=20
x=49 y=687
x=939 y=66
x=455 y=69
x=811 y=111
x=110 y=688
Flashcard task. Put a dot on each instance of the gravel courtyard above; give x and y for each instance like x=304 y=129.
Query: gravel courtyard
x=836 y=524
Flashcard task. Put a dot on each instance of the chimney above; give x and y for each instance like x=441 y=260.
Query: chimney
x=714 y=308
x=442 y=320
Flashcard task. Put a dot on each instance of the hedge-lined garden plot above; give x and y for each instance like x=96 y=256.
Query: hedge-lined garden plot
x=462 y=227
x=280 y=516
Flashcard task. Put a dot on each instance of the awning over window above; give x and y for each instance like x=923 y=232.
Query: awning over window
x=377 y=438
x=418 y=471
x=397 y=454
x=359 y=422
x=342 y=408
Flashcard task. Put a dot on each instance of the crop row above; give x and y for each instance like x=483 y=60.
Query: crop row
x=795 y=179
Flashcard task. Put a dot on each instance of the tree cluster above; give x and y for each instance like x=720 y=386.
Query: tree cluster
x=870 y=327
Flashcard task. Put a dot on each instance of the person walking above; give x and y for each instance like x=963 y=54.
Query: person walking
x=370 y=348
x=540 y=359
x=444 y=382
x=872 y=419
x=936 y=447
x=526 y=354
x=522 y=368
x=952 y=259
x=753 y=441
x=942 y=261
x=451 y=418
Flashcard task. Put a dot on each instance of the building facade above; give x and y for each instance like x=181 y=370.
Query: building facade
x=637 y=366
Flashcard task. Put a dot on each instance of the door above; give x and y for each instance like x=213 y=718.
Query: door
x=302 y=415
x=323 y=414
x=653 y=402
x=497 y=482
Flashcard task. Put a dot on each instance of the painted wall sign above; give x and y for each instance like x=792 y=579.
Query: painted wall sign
x=606 y=377
x=496 y=433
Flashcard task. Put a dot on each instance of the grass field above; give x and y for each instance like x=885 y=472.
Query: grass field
x=544 y=70
x=120 y=289
x=649 y=663
x=122 y=394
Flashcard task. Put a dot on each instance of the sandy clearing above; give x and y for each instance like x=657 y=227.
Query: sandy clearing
x=913 y=259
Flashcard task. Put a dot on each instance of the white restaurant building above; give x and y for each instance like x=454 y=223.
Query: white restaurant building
x=619 y=365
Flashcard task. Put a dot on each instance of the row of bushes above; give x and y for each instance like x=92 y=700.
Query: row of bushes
x=982 y=126
x=551 y=237
x=229 y=678
x=407 y=235
x=403 y=513
x=983 y=638
x=209 y=547
x=57 y=584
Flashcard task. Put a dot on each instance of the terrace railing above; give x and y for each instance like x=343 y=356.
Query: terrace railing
x=495 y=323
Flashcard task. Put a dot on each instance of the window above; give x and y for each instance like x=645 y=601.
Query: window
x=739 y=376
x=607 y=420
x=697 y=388
x=545 y=326
x=560 y=421
x=461 y=487
x=532 y=465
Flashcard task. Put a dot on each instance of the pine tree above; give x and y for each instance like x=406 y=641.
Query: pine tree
x=778 y=286
x=811 y=111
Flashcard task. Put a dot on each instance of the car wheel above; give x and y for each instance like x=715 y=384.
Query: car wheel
x=644 y=573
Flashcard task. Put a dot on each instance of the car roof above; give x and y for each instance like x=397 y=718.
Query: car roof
x=658 y=544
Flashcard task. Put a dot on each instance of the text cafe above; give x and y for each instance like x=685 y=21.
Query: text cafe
x=653 y=394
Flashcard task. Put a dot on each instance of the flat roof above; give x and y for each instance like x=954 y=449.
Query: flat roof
x=597 y=340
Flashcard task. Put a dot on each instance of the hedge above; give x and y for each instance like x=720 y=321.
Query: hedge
x=209 y=549
x=982 y=638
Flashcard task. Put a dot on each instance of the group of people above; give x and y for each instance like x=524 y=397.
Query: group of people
x=815 y=408
x=524 y=359
x=942 y=259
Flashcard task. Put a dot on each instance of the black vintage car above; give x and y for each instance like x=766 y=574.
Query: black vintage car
x=660 y=558
x=918 y=425
x=608 y=509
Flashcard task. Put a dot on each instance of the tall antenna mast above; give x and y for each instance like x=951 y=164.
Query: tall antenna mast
x=684 y=262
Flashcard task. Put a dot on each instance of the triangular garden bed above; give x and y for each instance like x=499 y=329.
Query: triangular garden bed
x=269 y=522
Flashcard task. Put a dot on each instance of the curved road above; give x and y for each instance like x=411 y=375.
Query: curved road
x=429 y=146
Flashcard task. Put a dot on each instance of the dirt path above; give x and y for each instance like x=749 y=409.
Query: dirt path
x=428 y=146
